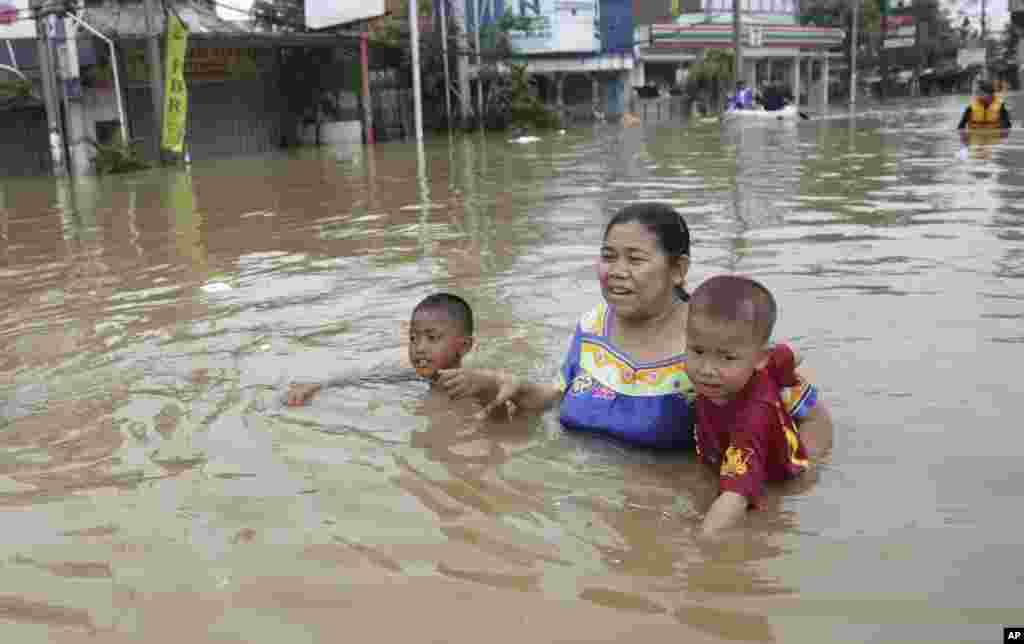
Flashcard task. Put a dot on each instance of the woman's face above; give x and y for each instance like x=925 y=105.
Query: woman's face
x=637 y=277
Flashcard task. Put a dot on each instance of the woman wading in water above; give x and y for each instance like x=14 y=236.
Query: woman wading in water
x=624 y=373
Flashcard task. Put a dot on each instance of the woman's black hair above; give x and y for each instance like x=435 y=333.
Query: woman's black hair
x=667 y=226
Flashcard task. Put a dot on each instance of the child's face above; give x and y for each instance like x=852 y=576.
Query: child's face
x=436 y=342
x=721 y=357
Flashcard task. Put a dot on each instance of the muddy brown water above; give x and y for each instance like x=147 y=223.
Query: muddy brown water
x=153 y=487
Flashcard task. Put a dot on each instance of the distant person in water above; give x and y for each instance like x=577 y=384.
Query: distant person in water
x=440 y=336
x=743 y=427
x=986 y=111
x=743 y=99
x=772 y=97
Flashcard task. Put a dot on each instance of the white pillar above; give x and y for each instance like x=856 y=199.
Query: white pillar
x=462 y=60
x=824 y=80
x=796 y=80
x=74 y=112
x=417 y=97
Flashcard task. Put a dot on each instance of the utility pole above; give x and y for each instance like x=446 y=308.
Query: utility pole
x=462 y=59
x=156 y=86
x=364 y=66
x=883 y=53
x=417 y=94
x=49 y=83
x=444 y=54
x=479 y=65
x=737 y=37
x=853 y=53
x=984 y=40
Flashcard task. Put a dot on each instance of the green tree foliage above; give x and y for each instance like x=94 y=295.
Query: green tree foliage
x=710 y=79
x=525 y=109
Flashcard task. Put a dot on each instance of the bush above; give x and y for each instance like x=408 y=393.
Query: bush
x=118 y=157
x=13 y=89
x=526 y=110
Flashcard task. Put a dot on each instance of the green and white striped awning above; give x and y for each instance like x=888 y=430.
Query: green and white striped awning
x=705 y=36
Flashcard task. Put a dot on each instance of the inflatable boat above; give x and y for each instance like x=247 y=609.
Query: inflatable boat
x=761 y=114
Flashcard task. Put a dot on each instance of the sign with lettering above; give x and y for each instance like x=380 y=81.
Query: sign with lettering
x=220 y=63
x=552 y=26
x=175 y=90
x=771 y=7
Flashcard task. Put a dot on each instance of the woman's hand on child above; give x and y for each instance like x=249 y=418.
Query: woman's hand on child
x=478 y=383
x=299 y=394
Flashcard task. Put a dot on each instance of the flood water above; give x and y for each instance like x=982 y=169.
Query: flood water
x=154 y=488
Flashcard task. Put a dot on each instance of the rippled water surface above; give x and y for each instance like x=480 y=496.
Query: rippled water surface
x=153 y=486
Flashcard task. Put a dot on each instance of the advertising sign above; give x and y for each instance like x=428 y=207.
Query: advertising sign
x=176 y=93
x=773 y=7
x=896 y=43
x=556 y=26
x=895 y=22
x=8 y=14
x=900 y=31
x=17 y=28
x=973 y=56
x=329 y=13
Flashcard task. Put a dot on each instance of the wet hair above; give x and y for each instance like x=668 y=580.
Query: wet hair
x=662 y=221
x=986 y=88
x=453 y=306
x=731 y=298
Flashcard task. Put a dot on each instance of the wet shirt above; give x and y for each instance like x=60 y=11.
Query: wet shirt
x=752 y=439
x=644 y=404
x=604 y=391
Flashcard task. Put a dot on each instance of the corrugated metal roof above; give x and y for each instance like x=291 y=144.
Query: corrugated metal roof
x=129 y=20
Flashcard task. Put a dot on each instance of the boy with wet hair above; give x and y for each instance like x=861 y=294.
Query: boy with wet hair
x=440 y=335
x=743 y=428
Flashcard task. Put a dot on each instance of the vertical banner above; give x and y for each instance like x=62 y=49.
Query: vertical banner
x=175 y=91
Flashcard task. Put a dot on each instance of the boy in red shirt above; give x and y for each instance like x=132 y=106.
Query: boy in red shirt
x=743 y=428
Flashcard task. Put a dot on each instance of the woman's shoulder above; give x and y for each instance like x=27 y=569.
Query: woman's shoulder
x=594 y=320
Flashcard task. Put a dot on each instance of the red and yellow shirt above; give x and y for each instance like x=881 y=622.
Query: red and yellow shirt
x=752 y=439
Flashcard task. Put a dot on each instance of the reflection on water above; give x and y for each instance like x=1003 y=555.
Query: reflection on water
x=149 y=469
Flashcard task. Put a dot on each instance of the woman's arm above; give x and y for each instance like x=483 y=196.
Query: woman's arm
x=494 y=388
x=816 y=430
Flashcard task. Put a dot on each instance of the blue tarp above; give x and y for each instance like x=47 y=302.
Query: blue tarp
x=27 y=58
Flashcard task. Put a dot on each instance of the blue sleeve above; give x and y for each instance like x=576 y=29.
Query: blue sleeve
x=571 y=362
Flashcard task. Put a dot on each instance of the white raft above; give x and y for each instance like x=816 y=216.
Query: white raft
x=760 y=114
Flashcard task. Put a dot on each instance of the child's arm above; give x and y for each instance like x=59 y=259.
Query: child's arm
x=300 y=393
x=494 y=388
x=727 y=510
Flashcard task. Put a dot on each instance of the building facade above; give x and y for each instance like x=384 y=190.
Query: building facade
x=776 y=47
x=582 y=50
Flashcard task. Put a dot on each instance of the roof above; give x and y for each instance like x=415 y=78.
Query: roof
x=128 y=21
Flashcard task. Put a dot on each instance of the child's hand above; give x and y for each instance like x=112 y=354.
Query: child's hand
x=463 y=383
x=299 y=394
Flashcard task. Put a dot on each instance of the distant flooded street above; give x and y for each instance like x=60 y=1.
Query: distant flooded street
x=153 y=486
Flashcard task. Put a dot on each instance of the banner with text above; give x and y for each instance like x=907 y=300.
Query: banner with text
x=175 y=90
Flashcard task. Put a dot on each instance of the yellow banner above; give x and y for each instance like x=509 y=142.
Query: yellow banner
x=175 y=91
